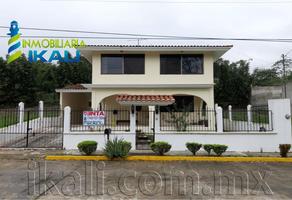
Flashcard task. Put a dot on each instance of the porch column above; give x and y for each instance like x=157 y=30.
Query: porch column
x=157 y=120
x=133 y=119
x=67 y=119
x=151 y=116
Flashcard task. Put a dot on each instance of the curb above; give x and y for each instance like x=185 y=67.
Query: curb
x=175 y=158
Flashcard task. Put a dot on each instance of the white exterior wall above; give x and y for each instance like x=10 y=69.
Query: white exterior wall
x=152 y=76
x=152 y=72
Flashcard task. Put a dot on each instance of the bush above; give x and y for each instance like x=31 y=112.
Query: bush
x=219 y=149
x=284 y=149
x=87 y=147
x=193 y=147
x=117 y=148
x=208 y=148
x=160 y=147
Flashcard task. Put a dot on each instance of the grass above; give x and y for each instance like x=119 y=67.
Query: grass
x=10 y=116
x=257 y=116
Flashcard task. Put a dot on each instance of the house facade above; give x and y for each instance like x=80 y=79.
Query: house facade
x=144 y=75
x=145 y=90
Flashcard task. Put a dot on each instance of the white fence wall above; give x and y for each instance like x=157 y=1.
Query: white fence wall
x=237 y=141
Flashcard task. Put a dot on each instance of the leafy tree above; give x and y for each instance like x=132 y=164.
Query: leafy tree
x=232 y=82
x=265 y=77
x=18 y=83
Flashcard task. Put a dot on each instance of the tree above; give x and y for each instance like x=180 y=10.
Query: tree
x=18 y=83
x=232 y=82
x=283 y=67
x=265 y=77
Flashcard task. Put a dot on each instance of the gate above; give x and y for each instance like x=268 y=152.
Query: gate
x=31 y=128
x=145 y=129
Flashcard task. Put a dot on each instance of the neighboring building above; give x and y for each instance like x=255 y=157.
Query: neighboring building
x=261 y=94
x=146 y=76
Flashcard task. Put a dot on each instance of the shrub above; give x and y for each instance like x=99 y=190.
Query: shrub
x=284 y=149
x=87 y=147
x=208 y=148
x=117 y=148
x=160 y=147
x=219 y=149
x=193 y=147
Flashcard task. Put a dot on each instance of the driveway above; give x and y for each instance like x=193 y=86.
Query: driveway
x=22 y=179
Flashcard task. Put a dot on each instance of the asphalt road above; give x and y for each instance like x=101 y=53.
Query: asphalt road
x=23 y=179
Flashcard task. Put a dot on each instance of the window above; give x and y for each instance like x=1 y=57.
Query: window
x=181 y=64
x=123 y=64
x=170 y=64
x=182 y=103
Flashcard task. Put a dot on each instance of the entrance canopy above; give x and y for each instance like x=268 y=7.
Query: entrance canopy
x=150 y=100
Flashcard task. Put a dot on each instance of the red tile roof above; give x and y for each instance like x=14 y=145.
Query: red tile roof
x=75 y=87
x=145 y=98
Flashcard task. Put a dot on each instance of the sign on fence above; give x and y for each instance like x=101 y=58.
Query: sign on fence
x=93 y=118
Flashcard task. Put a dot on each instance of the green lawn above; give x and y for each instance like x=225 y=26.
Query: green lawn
x=257 y=116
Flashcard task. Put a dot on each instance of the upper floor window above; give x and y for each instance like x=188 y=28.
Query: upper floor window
x=181 y=64
x=123 y=64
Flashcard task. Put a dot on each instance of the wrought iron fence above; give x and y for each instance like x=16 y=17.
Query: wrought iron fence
x=198 y=120
x=33 y=131
x=117 y=120
x=260 y=120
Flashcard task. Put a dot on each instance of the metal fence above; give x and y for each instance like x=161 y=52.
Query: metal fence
x=33 y=131
x=117 y=120
x=261 y=120
x=198 y=120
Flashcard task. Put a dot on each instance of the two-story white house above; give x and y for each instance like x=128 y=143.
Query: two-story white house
x=147 y=80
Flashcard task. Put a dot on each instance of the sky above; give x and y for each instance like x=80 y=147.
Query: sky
x=216 y=18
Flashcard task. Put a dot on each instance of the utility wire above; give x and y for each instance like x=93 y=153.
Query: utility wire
x=287 y=40
x=148 y=36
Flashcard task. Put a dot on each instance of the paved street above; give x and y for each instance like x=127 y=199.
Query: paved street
x=22 y=179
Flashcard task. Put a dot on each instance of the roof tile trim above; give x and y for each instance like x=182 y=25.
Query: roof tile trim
x=145 y=98
x=164 y=46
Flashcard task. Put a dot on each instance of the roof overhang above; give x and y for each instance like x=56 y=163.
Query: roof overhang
x=147 y=86
x=216 y=50
x=150 y=100
x=73 y=90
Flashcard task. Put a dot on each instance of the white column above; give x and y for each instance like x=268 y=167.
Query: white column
x=151 y=116
x=219 y=119
x=249 y=114
x=281 y=120
x=230 y=112
x=157 y=121
x=216 y=106
x=133 y=119
x=41 y=110
x=67 y=119
x=21 y=112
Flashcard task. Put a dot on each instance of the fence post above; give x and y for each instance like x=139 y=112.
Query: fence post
x=21 y=112
x=249 y=114
x=216 y=106
x=133 y=119
x=219 y=119
x=41 y=110
x=157 y=119
x=67 y=119
x=230 y=112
